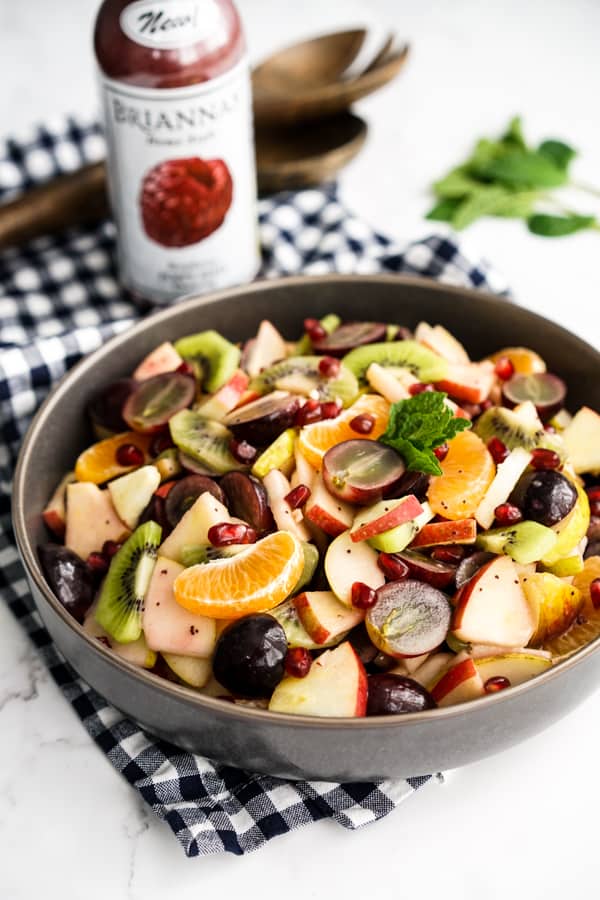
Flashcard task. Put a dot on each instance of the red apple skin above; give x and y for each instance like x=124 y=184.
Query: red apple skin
x=462 y=671
x=318 y=633
x=469 y=383
x=403 y=512
x=461 y=598
x=463 y=531
x=321 y=517
x=248 y=396
x=54 y=521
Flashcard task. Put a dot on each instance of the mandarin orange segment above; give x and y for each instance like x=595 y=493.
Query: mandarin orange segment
x=254 y=580
x=99 y=462
x=468 y=470
x=315 y=440
x=586 y=626
x=524 y=360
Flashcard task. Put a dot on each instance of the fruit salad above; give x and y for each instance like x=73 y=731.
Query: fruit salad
x=361 y=521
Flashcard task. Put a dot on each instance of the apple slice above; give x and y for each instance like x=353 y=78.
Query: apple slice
x=460 y=531
x=410 y=664
x=168 y=627
x=582 y=441
x=91 y=519
x=324 y=617
x=384 y=515
x=441 y=342
x=516 y=667
x=332 y=515
x=303 y=473
x=507 y=475
x=554 y=602
x=192 y=528
x=164 y=358
x=266 y=348
x=347 y=562
x=287 y=519
x=471 y=383
x=461 y=682
x=191 y=670
x=55 y=512
x=432 y=669
x=132 y=493
x=385 y=383
x=491 y=608
x=226 y=398
x=397 y=539
x=136 y=652
x=336 y=685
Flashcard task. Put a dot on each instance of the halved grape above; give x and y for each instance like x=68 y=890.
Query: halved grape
x=360 y=471
x=157 y=399
x=105 y=409
x=416 y=483
x=391 y=694
x=471 y=564
x=547 y=392
x=69 y=577
x=185 y=493
x=348 y=336
x=262 y=421
x=410 y=618
x=423 y=568
x=247 y=500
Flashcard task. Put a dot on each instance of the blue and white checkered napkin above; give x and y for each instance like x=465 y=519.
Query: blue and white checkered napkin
x=60 y=300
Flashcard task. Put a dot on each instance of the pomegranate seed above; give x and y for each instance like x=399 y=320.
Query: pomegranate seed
x=545 y=459
x=160 y=442
x=498 y=450
x=363 y=597
x=309 y=413
x=129 y=455
x=504 y=368
x=472 y=410
x=97 y=562
x=226 y=533
x=550 y=429
x=595 y=508
x=495 y=684
x=392 y=567
x=330 y=410
x=186 y=369
x=242 y=451
x=448 y=554
x=485 y=405
x=362 y=424
x=441 y=452
x=314 y=329
x=329 y=367
x=508 y=514
x=298 y=497
x=419 y=388
x=109 y=548
x=593 y=492
x=595 y=593
x=298 y=662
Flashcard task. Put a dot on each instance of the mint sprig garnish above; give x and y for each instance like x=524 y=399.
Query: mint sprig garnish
x=420 y=424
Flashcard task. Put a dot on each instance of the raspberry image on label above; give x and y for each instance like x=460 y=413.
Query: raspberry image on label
x=184 y=200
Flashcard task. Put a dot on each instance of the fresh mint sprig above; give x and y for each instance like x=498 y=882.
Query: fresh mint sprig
x=420 y=424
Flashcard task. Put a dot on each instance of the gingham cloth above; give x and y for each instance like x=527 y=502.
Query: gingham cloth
x=60 y=300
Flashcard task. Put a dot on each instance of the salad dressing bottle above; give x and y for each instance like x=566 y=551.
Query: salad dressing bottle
x=176 y=96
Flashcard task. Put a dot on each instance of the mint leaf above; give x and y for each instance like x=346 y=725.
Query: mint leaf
x=444 y=210
x=514 y=134
x=420 y=424
x=456 y=184
x=557 y=151
x=524 y=168
x=484 y=202
x=559 y=226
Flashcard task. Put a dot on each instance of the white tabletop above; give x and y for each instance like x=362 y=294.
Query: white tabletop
x=519 y=824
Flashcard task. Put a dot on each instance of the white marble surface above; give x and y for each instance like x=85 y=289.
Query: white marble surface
x=520 y=824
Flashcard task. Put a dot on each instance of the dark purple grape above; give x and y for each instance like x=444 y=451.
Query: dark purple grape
x=391 y=695
x=361 y=471
x=249 y=658
x=263 y=420
x=185 y=493
x=157 y=399
x=363 y=646
x=549 y=497
x=192 y=465
x=547 y=392
x=409 y=618
x=592 y=549
x=416 y=483
x=69 y=577
x=105 y=409
x=432 y=571
x=155 y=512
x=348 y=336
x=471 y=564
x=247 y=499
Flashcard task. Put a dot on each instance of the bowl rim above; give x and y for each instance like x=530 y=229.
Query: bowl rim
x=190 y=695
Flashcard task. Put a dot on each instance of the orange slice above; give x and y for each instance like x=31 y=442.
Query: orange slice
x=99 y=462
x=587 y=624
x=254 y=580
x=468 y=470
x=525 y=361
x=315 y=440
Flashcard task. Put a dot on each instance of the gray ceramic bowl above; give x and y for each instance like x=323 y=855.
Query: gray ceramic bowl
x=285 y=745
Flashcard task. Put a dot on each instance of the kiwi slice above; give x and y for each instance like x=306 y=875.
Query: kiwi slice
x=199 y=554
x=515 y=430
x=301 y=375
x=423 y=363
x=526 y=542
x=121 y=600
x=213 y=357
x=295 y=632
x=311 y=561
x=205 y=440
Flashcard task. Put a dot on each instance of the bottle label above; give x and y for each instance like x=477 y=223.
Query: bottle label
x=183 y=184
x=170 y=24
